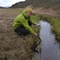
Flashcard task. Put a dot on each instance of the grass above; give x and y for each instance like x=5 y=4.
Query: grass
x=36 y=19
x=55 y=22
x=12 y=46
x=15 y=47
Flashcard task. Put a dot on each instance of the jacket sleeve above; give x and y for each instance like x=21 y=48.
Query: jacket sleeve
x=25 y=24
x=31 y=20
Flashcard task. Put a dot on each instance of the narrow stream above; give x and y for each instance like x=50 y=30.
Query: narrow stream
x=50 y=49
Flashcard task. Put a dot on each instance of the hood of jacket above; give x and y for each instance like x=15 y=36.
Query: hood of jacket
x=24 y=14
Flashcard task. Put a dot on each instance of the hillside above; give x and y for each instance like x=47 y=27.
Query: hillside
x=21 y=4
x=38 y=3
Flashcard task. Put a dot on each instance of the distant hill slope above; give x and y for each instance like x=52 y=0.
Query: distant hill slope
x=22 y=4
x=38 y=3
x=1 y=7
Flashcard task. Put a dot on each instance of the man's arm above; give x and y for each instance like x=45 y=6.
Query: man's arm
x=25 y=24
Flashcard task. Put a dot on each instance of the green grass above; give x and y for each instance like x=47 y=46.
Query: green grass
x=36 y=18
x=55 y=22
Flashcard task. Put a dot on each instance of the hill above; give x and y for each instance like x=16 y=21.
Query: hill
x=38 y=3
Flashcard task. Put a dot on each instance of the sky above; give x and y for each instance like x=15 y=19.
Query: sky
x=7 y=3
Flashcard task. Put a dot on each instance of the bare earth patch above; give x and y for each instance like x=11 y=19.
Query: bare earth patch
x=47 y=11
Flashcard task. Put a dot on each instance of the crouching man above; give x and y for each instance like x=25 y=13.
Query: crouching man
x=22 y=23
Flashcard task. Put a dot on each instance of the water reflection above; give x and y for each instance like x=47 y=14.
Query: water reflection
x=50 y=49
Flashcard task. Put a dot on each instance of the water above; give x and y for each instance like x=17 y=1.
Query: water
x=50 y=49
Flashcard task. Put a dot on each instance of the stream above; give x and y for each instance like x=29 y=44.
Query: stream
x=49 y=47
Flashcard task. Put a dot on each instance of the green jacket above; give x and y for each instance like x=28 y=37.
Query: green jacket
x=20 y=20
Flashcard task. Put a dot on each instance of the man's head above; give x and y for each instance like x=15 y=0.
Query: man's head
x=29 y=12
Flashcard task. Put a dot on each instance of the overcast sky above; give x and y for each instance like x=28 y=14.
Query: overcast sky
x=7 y=3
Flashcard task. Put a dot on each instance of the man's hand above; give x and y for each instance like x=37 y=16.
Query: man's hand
x=37 y=24
x=36 y=34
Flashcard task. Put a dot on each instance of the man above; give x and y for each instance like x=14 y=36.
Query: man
x=22 y=23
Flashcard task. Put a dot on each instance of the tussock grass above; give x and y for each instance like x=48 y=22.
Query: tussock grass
x=55 y=22
x=13 y=46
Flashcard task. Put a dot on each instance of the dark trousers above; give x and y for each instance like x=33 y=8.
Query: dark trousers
x=22 y=31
